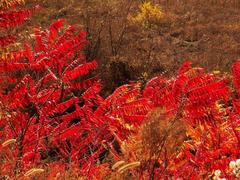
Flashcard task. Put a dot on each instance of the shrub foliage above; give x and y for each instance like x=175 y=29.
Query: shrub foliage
x=54 y=121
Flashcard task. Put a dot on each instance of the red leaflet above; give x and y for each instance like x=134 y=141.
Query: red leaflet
x=129 y=91
x=92 y=91
x=134 y=119
x=126 y=97
x=64 y=105
x=73 y=44
x=138 y=107
x=18 y=91
x=209 y=90
x=81 y=70
x=53 y=30
x=15 y=18
x=184 y=67
x=236 y=105
x=102 y=109
x=44 y=95
x=70 y=132
x=44 y=80
x=236 y=75
x=30 y=157
x=67 y=34
x=85 y=84
x=153 y=86
x=74 y=63
x=5 y=80
x=6 y=40
x=40 y=47
x=179 y=88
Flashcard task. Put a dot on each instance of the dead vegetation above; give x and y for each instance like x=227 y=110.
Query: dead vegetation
x=206 y=32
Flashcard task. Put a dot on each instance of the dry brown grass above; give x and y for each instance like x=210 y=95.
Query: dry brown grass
x=206 y=32
x=157 y=141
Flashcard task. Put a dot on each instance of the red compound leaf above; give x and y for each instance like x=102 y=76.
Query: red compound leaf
x=81 y=70
x=53 y=30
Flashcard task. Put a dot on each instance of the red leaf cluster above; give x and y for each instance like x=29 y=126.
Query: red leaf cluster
x=50 y=106
x=52 y=112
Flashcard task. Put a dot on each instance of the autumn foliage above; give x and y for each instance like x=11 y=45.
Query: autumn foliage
x=56 y=123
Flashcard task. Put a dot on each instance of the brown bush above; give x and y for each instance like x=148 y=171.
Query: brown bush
x=157 y=141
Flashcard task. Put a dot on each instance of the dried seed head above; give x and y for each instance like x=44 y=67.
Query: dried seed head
x=117 y=164
x=232 y=164
x=8 y=142
x=129 y=166
x=34 y=171
x=238 y=163
x=217 y=173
